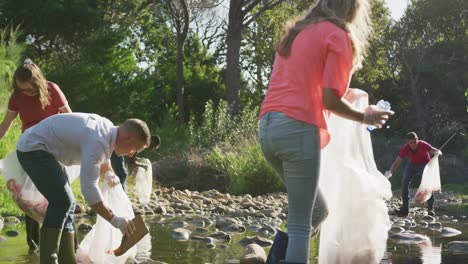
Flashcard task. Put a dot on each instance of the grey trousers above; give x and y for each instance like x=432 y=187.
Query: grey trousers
x=293 y=149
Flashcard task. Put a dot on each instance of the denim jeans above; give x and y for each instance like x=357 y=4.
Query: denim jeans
x=411 y=171
x=293 y=149
x=51 y=180
x=118 y=165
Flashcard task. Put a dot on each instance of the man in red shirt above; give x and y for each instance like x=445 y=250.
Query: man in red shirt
x=418 y=152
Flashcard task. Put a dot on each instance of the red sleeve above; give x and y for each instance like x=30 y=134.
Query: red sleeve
x=13 y=104
x=57 y=97
x=426 y=147
x=338 y=62
x=404 y=151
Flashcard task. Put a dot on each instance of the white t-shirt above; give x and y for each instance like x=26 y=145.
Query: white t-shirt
x=75 y=138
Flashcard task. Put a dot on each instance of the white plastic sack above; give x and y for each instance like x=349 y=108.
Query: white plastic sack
x=355 y=231
x=98 y=245
x=144 y=182
x=430 y=181
x=24 y=192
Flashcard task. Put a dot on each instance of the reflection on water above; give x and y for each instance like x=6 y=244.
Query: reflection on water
x=160 y=246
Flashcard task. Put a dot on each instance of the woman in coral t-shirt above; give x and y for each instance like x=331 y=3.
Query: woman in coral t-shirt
x=311 y=74
x=33 y=99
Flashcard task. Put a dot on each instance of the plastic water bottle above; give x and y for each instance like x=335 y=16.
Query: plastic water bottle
x=381 y=105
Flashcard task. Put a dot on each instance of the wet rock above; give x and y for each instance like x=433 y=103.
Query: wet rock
x=408 y=238
x=256 y=240
x=177 y=224
x=11 y=221
x=84 y=227
x=428 y=218
x=198 y=223
x=223 y=246
x=253 y=254
x=267 y=230
x=79 y=209
x=222 y=236
x=208 y=240
x=435 y=225
x=458 y=246
x=160 y=209
x=200 y=230
x=12 y=233
x=180 y=234
x=211 y=245
x=396 y=229
x=449 y=232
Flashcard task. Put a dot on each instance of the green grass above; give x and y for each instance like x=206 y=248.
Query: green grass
x=7 y=205
x=460 y=191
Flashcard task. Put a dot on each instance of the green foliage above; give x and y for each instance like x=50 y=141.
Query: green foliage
x=217 y=126
x=174 y=137
x=232 y=150
x=7 y=205
x=10 y=56
x=246 y=169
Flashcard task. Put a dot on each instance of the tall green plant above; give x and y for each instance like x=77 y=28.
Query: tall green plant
x=219 y=127
x=10 y=56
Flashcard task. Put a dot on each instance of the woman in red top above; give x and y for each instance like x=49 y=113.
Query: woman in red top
x=311 y=74
x=419 y=153
x=34 y=99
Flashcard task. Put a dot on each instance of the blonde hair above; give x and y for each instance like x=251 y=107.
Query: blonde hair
x=353 y=16
x=30 y=72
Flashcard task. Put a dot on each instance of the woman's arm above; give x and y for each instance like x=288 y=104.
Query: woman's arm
x=7 y=121
x=65 y=109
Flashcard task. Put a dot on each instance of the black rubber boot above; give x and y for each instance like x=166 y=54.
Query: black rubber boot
x=49 y=245
x=66 y=253
x=278 y=249
x=32 y=233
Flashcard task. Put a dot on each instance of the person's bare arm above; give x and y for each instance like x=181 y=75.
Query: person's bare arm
x=343 y=108
x=7 y=121
x=395 y=164
x=65 y=109
x=103 y=211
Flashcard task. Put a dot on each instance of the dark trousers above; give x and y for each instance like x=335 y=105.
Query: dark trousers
x=411 y=171
x=51 y=180
x=118 y=165
x=32 y=232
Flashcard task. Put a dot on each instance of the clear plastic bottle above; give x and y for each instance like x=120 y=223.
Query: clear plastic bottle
x=381 y=105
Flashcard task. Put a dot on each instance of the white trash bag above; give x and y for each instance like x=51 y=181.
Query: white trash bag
x=24 y=192
x=355 y=230
x=98 y=245
x=430 y=181
x=144 y=182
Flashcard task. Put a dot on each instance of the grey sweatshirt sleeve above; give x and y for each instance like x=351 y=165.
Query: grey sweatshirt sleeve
x=91 y=159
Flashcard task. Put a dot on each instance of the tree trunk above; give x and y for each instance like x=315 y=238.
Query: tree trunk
x=234 y=38
x=180 y=79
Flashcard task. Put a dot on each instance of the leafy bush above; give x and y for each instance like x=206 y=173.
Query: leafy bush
x=217 y=126
x=246 y=169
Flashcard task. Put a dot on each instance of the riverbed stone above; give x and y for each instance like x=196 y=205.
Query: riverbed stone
x=449 y=232
x=408 y=238
x=180 y=234
x=458 y=246
x=253 y=254
x=264 y=242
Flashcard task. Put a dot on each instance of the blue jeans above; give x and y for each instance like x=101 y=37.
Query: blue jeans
x=412 y=170
x=293 y=149
x=118 y=165
x=51 y=180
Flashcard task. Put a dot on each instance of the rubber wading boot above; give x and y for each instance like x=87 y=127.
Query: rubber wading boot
x=49 y=245
x=278 y=249
x=66 y=254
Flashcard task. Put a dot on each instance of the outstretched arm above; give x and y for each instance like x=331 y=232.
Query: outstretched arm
x=395 y=165
x=7 y=121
